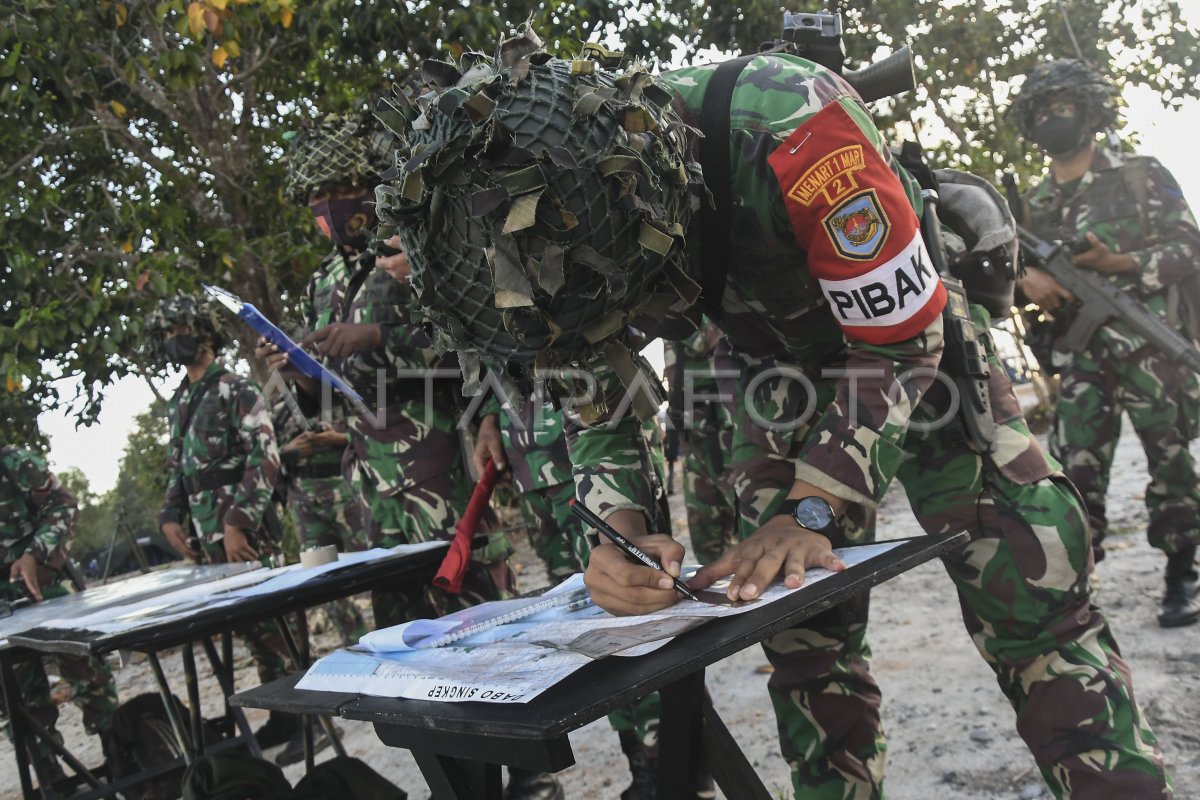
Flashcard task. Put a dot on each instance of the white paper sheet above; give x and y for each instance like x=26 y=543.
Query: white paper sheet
x=517 y=661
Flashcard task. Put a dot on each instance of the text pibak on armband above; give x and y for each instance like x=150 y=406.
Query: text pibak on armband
x=853 y=219
x=459 y=691
x=889 y=294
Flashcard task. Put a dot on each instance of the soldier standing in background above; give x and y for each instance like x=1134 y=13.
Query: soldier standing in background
x=37 y=518
x=324 y=509
x=222 y=472
x=702 y=374
x=1144 y=239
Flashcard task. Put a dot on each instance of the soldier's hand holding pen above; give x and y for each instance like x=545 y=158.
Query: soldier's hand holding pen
x=623 y=587
x=25 y=569
x=178 y=539
x=237 y=545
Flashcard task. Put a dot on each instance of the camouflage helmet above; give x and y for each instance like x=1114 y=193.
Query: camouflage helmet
x=339 y=149
x=195 y=311
x=1079 y=80
x=541 y=202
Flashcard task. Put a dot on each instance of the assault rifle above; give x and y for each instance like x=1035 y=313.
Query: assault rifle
x=1099 y=301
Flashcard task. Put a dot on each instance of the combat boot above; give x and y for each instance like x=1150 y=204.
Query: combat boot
x=526 y=785
x=1179 y=605
x=643 y=768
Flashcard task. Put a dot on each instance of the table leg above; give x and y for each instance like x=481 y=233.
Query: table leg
x=226 y=680
x=8 y=682
x=227 y=660
x=730 y=768
x=300 y=658
x=459 y=779
x=168 y=699
x=40 y=732
x=192 y=680
x=680 y=737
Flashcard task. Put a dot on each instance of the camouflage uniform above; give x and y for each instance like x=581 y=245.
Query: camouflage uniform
x=37 y=516
x=404 y=460
x=223 y=470
x=798 y=297
x=324 y=509
x=1118 y=372
x=709 y=373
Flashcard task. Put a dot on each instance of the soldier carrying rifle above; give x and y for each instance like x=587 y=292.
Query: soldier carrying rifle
x=1132 y=227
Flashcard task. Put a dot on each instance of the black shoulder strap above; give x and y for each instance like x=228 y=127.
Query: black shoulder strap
x=201 y=389
x=365 y=265
x=714 y=159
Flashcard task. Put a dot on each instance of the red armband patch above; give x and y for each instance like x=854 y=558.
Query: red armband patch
x=850 y=214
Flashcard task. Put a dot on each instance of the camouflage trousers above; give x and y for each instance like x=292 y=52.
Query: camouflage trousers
x=556 y=534
x=707 y=486
x=1161 y=400
x=264 y=640
x=1022 y=584
x=326 y=512
x=90 y=679
x=421 y=512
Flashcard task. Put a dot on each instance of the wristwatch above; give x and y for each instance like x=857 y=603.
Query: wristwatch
x=810 y=513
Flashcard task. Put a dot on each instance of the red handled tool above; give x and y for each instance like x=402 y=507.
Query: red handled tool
x=454 y=565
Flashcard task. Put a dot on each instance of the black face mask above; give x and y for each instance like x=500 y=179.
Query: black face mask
x=347 y=220
x=182 y=349
x=1060 y=135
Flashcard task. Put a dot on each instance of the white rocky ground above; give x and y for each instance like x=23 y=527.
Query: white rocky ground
x=951 y=731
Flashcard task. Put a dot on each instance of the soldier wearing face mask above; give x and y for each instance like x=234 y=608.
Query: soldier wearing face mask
x=220 y=504
x=1130 y=217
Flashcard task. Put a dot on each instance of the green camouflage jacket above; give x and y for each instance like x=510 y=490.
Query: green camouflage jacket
x=1158 y=229
x=827 y=272
x=36 y=513
x=705 y=354
x=231 y=433
x=385 y=376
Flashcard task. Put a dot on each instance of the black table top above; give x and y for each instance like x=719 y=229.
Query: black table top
x=608 y=683
x=162 y=634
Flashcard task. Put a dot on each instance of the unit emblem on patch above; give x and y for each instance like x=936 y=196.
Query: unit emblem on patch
x=858 y=227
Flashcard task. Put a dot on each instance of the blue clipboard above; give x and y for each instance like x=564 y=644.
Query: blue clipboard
x=297 y=356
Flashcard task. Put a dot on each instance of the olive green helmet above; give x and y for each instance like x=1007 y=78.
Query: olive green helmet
x=541 y=202
x=195 y=311
x=350 y=149
x=1081 y=81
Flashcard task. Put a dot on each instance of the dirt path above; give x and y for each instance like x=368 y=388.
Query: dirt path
x=951 y=732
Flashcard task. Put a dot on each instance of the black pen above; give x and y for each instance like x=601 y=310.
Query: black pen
x=590 y=517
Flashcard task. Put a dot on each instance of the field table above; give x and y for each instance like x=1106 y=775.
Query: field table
x=459 y=747
x=204 y=622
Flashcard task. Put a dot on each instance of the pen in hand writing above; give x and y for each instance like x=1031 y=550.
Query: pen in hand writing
x=590 y=517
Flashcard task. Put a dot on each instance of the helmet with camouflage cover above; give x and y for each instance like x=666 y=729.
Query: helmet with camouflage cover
x=541 y=202
x=347 y=149
x=193 y=311
x=1081 y=81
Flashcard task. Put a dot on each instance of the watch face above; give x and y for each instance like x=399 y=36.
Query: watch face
x=814 y=513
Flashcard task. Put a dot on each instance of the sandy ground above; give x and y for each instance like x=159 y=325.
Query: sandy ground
x=951 y=730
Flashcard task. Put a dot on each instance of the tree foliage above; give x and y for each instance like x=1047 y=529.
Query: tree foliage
x=142 y=141
x=142 y=153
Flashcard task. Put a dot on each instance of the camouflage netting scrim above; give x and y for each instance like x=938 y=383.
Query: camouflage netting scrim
x=540 y=201
x=1077 y=79
x=194 y=311
x=339 y=149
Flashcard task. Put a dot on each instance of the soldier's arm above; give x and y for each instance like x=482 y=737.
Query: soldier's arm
x=864 y=248
x=257 y=437
x=1172 y=249
x=54 y=509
